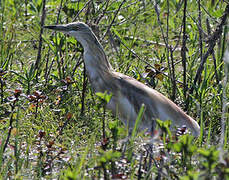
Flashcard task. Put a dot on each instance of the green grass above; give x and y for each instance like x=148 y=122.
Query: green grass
x=51 y=122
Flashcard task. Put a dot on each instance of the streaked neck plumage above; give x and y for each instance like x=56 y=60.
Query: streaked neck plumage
x=92 y=48
x=97 y=65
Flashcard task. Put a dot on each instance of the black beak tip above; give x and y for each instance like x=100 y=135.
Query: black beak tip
x=49 y=27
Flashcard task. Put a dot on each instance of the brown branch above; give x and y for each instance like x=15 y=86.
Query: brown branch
x=211 y=42
x=112 y=22
x=160 y=25
x=103 y=13
x=85 y=5
x=40 y=37
x=173 y=77
x=183 y=53
x=83 y=91
x=10 y=127
x=213 y=53
x=59 y=10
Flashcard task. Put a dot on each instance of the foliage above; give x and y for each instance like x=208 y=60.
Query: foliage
x=53 y=126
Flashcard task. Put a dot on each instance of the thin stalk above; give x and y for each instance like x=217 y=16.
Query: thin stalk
x=173 y=78
x=200 y=33
x=59 y=10
x=201 y=125
x=183 y=55
x=37 y=63
x=211 y=42
x=2 y=89
x=104 y=171
x=10 y=126
x=134 y=133
x=16 y=147
x=167 y=48
x=82 y=161
x=83 y=91
x=26 y=10
x=47 y=67
x=213 y=54
x=112 y=22
x=80 y=11
x=58 y=55
x=103 y=13
x=2 y=32
x=104 y=126
x=225 y=104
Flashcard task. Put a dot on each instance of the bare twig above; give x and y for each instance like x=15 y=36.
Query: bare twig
x=84 y=90
x=183 y=54
x=213 y=53
x=48 y=71
x=58 y=13
x=10 y=126
x=212 y=42
x=46 y=66
x=2 y=89
x=26 y=9
x=85 y=5
x=40 y=38
x=161 y=28
x=79 y=62
x=225 y=103
x=200 y=32
x=204 y=34
x=103 y=122
x=169 y=50
x=173 y=78
x=104 y=171
x=116 y=13
x=103 y=13
x=174 y=48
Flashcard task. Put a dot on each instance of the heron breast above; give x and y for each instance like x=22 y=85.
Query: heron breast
x=124 y=109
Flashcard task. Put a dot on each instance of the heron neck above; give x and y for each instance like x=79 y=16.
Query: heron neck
x=94 y=54
x=96 y=63
x=97 y=66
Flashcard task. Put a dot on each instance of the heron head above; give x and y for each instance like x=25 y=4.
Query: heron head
x=79 y=30
x=69 y=28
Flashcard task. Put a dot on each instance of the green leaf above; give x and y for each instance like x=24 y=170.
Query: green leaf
x=140 y=114
x=104 y=96
x=32 y=7
x=49 y=43
x=108 y=156
x=177 y=147
x=17 y=74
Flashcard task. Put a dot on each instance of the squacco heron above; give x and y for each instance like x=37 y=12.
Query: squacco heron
x=128 y=94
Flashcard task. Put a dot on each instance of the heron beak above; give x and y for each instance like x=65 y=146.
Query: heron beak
x=62 y=28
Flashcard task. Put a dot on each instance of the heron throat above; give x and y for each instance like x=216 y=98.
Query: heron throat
x=97 y=66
